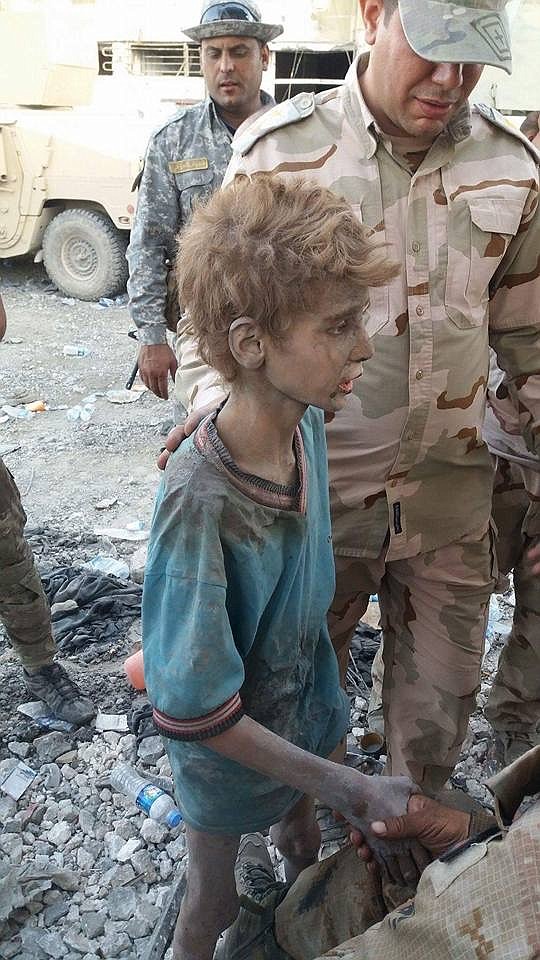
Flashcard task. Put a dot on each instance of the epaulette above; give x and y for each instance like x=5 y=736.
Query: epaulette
x=290 y=111
x=498 y=120
x=180 y=113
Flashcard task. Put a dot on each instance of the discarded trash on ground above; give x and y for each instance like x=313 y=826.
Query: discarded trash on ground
x=37 y=406
x=126 y=396
x=17 y=413
x=41 y=714
x=110 y=565
x=18 y=781
x=76 y=350
x=112 y=721
x=133 y=532
x=106 y=504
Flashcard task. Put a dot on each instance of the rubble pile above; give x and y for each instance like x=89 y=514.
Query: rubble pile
x=83 y=873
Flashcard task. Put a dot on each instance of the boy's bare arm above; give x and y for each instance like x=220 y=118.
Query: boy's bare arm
x=360 y=799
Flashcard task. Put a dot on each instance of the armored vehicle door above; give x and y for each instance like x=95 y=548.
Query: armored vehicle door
x=11 y=186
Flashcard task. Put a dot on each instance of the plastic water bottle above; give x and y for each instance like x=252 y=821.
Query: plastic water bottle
x=150 y=799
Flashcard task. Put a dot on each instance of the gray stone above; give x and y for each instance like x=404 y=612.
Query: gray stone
x=68 y=811
x=86 y=823
x=85 y=859
x=13 y=826
x=114 y=844
x=93 y=924
x=129 y=848
x=51 y=775
x=150 y=749
x=55 y=911
x=137 y=563
x=31 y=942
x=128 y=744
x=10 y=949
x=50 y=746
x=53 y=945
x=144 y=866
x=114 y=944
x=118 y=875
x=60 y=833
x=176 y=849
x=153 y=832
x=122 y=903
x=68 y=772
x=11 y=846
x=8 y=807
x=139 y=927
x=20 y=749
x=76 y=941
x=165 y=868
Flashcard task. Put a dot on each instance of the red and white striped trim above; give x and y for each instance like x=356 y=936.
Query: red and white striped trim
x=201 y=728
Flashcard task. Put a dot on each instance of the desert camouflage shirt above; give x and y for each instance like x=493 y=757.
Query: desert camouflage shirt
x=186 y=159
x=407 y=459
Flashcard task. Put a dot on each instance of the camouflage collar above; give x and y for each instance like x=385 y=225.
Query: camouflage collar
x=458 y=129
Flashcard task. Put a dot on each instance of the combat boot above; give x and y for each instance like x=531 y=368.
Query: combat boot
x=53 y=686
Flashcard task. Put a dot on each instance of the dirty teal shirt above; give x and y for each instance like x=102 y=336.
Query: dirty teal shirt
x=238 y=583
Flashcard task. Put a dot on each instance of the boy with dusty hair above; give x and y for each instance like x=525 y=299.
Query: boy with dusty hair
x=238 y=661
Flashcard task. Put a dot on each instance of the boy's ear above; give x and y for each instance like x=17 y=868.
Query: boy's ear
x=245 y=343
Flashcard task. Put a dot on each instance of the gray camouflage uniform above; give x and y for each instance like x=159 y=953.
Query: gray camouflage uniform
x=185 y=161
x=410 y=476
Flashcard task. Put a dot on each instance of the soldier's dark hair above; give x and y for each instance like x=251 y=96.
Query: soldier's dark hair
x=269 y=248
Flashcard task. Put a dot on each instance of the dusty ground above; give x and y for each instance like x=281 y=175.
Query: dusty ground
x=63 y=467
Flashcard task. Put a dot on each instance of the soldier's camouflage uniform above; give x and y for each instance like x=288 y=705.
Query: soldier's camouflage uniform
x=513 y=705
x=482 y=904
x=23 y=606
x=185 y=161
x=410 y=476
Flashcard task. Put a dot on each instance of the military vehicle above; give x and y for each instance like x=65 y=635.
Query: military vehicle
x=66 y=168
x=66 y=196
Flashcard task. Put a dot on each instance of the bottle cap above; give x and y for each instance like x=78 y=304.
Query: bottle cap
x=174 y=818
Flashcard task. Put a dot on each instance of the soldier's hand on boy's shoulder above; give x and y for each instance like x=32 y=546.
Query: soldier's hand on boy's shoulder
x=365 y=800
x=178 y=434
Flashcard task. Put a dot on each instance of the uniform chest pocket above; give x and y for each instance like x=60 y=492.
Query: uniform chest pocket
x=479 y=232
x=194 y=185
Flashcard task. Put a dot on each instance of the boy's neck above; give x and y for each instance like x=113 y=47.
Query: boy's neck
x=258 y=432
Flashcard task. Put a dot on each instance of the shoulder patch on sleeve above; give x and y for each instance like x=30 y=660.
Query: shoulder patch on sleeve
x=498 y=120
x=290 y=111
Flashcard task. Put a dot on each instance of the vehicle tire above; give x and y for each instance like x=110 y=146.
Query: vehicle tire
x=85 y=255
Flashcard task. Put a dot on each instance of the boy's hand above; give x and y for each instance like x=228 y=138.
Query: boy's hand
x=436 y=827
x=178 y=434
x=364 y=800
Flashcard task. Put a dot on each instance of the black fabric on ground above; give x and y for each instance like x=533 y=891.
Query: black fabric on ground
x=106 y=606
x=365 y=644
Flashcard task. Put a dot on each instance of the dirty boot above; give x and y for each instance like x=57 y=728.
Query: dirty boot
x=251 y=936
x=53 y=685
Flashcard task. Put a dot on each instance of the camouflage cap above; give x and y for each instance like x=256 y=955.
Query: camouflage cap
x=458 y=31
x=234 y=19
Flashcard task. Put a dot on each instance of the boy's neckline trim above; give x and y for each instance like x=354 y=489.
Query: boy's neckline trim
x=288 y=497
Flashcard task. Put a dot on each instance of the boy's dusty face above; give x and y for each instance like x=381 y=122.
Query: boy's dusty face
x=321 y=353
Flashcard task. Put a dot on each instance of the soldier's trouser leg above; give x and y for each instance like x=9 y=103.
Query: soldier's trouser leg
x=23 y=606
x=433 y=613
x=514 y=702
